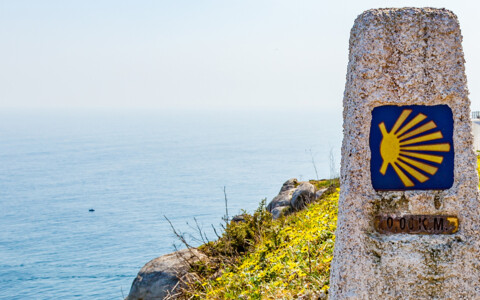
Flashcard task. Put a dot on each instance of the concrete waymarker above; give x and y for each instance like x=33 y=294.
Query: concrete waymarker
x=408 y=223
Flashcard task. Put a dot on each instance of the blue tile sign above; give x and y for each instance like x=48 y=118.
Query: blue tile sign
x=412 y=147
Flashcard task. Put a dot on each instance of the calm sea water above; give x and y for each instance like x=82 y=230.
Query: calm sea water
x=134 y=168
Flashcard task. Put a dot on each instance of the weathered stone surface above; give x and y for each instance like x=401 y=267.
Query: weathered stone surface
x=405 y=57
x=159 y=278
x=289 y=184
x=303 y=195
x=320 y=192
x=293 y=196
x=281 y=211
x=284 y=196
x=238 y=218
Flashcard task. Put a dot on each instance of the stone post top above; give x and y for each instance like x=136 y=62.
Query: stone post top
x=410 y=15
x=409 y=11
x=406 y=56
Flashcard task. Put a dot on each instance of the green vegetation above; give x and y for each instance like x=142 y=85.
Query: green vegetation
x=478 y=166
x=261 y=258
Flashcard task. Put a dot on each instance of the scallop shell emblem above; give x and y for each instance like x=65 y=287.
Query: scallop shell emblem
x=401 y=147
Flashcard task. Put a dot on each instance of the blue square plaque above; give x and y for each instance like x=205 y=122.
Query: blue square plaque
x=412 y=147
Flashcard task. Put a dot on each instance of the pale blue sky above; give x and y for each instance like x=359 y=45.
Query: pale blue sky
x=190 y=54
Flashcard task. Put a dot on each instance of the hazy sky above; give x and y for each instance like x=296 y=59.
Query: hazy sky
x=190 y=54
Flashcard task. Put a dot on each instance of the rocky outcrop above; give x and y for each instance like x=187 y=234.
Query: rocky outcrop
x=238 y=218
x=293 y=196
x=162 y=277
x=284 y=196
x=303 y=195
x=281 y=211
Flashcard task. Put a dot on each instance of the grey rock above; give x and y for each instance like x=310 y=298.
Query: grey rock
x=280 y=200
x=160 y=277
x=289 y=184
x=284 y=196
x=280 y=211
x=320 y=192
x=303 y=195
x=238 y=219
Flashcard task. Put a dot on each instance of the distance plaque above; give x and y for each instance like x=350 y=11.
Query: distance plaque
x=416 y=224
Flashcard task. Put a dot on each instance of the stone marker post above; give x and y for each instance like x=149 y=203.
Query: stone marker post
x=408 y=223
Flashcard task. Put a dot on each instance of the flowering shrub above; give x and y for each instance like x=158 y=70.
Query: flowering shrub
x=478 y=166
x=292 y=258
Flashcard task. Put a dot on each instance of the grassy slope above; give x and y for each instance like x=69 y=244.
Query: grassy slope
x=290 y=259
x=287 y=257
x=294 y=262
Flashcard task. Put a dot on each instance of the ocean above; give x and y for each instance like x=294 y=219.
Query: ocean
x=133 y=169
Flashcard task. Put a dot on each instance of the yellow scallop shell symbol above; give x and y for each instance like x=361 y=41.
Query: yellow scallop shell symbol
x=400 y=147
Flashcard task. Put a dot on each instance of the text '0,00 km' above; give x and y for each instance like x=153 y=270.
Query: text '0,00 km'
x=416 y=224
